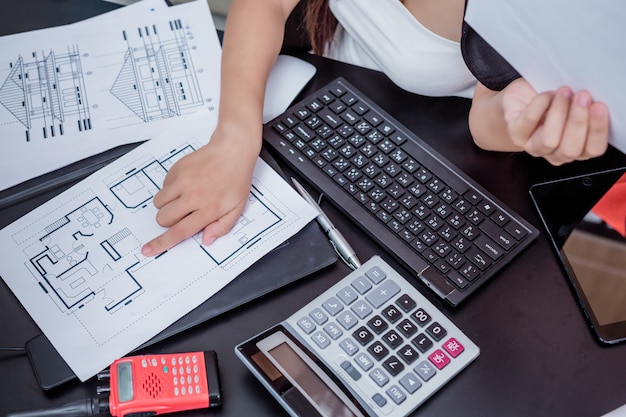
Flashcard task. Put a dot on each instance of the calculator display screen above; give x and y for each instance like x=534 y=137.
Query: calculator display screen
x=309 y=382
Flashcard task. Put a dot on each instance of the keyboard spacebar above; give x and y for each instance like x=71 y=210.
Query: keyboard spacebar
x=438 y=167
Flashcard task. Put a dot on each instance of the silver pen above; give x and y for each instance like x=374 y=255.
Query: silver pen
x=339 y=242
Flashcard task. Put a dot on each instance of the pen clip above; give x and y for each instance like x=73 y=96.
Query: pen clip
x=319 y=199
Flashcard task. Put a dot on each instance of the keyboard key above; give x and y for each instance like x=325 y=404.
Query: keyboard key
x=333 y=306
x=422 y=342
x=453 y=347
x=439 y=359
x=321 y=339
x=347 y=295
x=363 y=336
x=377 y=324
x=333 y=331
x=408 y=354
x=392 y=314
x=392 y=339
x=410 y=383
x=364 y=361
x=407 y=328
x=396 y=394
x=362 y=309
x=393 y=365
x=306 y=325
x=425 y=370
x=379 y=377
x=378 y=350
x=347 y=319
x=349 y=347
x=383 y=293
x=421 y=317
x=319 y=316
x=436 y=331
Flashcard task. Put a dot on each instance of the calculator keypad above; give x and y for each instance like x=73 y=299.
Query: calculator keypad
x=393 y=345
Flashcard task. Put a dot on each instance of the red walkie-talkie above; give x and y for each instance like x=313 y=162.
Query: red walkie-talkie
x=167 y=383
x=147 y=385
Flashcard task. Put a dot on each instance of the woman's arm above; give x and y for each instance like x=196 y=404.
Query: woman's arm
x=559 y=126
x=208 y=189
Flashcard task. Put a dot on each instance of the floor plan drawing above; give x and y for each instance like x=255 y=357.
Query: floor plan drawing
x=90 y=257
x=46 y=91
x=157 y=79
x=139 y=185
x=76 y=263
x=259 y=217
x=77 y=252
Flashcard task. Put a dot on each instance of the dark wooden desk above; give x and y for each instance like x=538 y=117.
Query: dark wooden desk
x=538 y=357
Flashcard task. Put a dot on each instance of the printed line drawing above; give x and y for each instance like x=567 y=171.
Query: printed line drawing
x=86 y=258
x=157 y=79
x=45 y=92
x=139 y=185
x=73 y=265
x=260 y=216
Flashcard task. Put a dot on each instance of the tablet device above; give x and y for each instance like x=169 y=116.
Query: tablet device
x=585 y=218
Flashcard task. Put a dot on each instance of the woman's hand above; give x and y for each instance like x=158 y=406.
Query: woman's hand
x=206 y=190
x=559 y=126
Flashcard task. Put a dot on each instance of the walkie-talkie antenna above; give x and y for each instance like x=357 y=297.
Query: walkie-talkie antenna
x=81 y=408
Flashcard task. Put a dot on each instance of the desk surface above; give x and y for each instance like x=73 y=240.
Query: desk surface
x=537 y=355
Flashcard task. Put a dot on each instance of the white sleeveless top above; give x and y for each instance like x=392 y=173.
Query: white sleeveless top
x=383 y=35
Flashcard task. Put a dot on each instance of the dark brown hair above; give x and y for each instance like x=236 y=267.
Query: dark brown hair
x=319 y=23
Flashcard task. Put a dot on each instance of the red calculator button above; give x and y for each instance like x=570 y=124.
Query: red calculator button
x=439 y=359
x=453 y=347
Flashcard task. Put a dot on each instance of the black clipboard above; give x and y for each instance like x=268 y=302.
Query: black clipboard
x=306 y=252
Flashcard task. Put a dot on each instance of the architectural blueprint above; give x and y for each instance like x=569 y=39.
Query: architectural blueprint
x=75 y=263
x=141 y=72
x=73 y=91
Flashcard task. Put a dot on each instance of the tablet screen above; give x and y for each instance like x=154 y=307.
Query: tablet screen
x=586 y=220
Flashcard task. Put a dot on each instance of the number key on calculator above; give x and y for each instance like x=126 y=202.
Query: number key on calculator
x=371 y=345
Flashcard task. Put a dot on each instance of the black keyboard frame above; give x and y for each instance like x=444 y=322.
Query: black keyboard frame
x=379 y=232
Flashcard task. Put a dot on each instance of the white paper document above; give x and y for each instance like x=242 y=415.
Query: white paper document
x=558 y=43
x=75 y=263
x=73 y=91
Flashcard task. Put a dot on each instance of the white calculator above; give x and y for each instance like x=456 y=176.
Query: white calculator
x=371 y=345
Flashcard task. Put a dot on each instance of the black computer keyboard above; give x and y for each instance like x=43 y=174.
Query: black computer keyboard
x=424 y=211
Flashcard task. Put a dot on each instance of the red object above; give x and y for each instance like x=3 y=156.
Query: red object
x=439 y=359
x=612 y=206
x=158 y=384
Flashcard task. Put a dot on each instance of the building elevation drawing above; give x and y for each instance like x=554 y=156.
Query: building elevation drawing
x=45 y=92
x=157 y=79
x=78 y=90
